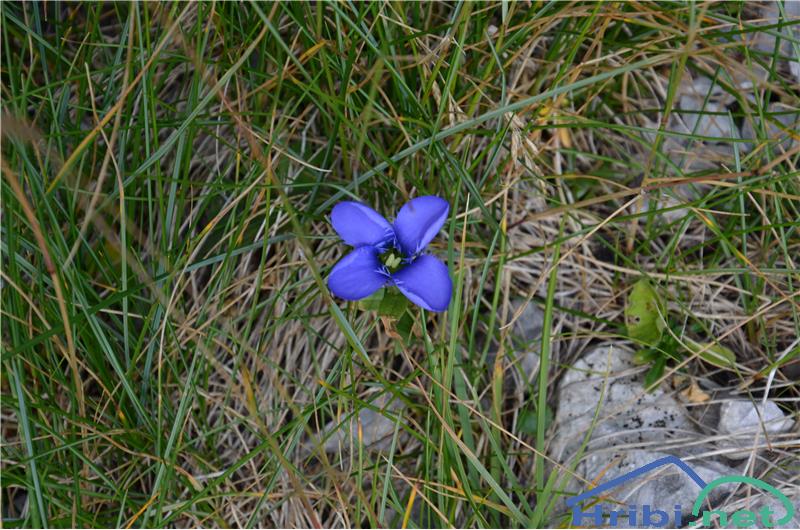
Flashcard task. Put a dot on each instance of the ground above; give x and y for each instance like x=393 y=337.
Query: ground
x=172 y=355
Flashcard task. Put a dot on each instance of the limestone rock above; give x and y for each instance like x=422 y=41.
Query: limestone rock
x=603 y=393
x=745 y=424
x=377 y=427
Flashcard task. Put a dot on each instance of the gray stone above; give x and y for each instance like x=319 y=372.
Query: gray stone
x=705 y=118
x=522 y=344
x=777 y=128
x=665 y=205
x=528 y=327
x=603 y=393
x=745 y=424
x=526 y=336
x=765 y=41
x=749 y=78
x=664 y=488
x=701 y=111
x=744 y=416
x=376 y=428
x=792 y=10
x=606 y=426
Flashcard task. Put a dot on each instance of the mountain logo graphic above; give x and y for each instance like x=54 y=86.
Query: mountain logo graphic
x=650 y=516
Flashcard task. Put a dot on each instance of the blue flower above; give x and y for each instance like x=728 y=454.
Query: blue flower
x=391 y=254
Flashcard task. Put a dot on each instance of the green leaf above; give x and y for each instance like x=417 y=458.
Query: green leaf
x=372 y=302
x=405 y=327
x=715 y=354
x=654 y=374
x=670 y=347
x=645 y=356
x=645 y=313
x=393 y=304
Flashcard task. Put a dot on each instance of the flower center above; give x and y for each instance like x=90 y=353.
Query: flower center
x=392 y=260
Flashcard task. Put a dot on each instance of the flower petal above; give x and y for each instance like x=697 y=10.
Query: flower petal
x=418 y=221
x=358 y=224
x=358 y=274
x=426 y=282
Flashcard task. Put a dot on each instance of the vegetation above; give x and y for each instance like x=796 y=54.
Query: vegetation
x=171 y=355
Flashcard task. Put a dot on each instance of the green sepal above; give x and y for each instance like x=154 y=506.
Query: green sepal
x=372 y=302
x=393 y=305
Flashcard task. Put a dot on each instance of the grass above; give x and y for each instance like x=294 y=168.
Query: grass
x=171 y=355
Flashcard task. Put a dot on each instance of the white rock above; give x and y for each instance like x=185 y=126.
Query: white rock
x=523 y=343
x=526 y=336
x=750 y=77
x=376 y=428
x=743 y=425
x=602 y=404
x=764 y=41
x=786 y=116
x=744 y=416
x=603 y=392
x=528 y=327
x=662 y=488
x=665 y=205
x=701 y=111
x=529 y=363
x=706 y=118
